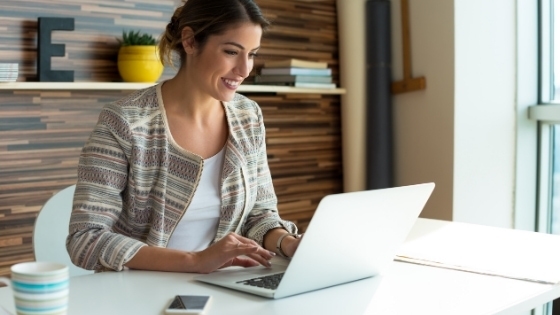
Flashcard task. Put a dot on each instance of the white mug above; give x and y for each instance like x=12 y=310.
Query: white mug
x=39 y=288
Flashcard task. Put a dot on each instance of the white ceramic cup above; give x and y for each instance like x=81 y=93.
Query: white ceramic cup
x=39 y=288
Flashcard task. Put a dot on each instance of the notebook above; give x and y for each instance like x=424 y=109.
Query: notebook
x=351 y=236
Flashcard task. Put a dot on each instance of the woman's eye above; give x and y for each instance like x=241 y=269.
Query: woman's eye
x=231 y=52
x=253 y=55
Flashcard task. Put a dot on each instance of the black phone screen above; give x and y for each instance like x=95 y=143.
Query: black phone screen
x=189 y=302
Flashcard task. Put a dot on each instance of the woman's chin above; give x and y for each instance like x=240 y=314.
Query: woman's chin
x=226 y=97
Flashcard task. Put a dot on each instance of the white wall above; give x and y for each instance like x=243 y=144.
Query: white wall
x=526 y=135
x=424 y=119
x=460 y=131
x=484 y=143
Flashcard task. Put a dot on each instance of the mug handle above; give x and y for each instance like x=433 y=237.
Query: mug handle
x=6 y=281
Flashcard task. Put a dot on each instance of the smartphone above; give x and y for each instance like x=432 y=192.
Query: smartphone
x=188 y=304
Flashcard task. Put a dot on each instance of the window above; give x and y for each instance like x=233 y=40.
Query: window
x=551 y=95
x=547 y=114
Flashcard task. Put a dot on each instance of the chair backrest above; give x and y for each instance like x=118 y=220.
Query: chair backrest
x=51 y=230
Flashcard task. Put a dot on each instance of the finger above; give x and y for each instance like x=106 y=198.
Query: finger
x=244 y=240
x=244 y=262
x=259 y=251
x=253 y=252
x=260 y=259
x=266 y=254
x=263 y=256
x=244 y=249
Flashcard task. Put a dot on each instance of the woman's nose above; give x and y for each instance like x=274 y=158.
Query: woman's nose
x=244 y=67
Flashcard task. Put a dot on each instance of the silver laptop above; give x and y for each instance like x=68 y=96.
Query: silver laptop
x=350 y=237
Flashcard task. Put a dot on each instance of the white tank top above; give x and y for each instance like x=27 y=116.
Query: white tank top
x=199 y=224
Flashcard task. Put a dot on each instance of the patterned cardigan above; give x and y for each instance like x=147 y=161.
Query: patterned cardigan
x=135 y=183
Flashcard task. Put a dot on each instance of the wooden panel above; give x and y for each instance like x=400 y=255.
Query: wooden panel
x=42 y=132
x=91 y=49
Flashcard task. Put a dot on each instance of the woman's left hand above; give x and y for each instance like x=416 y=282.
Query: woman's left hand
x=290 y=244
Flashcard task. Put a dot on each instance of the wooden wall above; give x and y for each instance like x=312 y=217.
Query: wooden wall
x=42 y=132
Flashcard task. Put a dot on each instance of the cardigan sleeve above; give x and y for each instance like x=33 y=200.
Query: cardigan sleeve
x=97 y=204
x=264 y=214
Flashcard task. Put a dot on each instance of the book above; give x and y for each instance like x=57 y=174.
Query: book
x=8 y=76
x=315 y=85
x=292 y=78
x=296 y=71
x=9 y=66
x=295 y=63
x=308 y=85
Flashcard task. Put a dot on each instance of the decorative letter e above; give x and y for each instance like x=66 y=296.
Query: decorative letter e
x=46 y=49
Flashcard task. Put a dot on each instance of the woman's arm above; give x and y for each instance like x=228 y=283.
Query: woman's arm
x=289 y=243
x=97 y=205
x=223 y=253
x=263 y=224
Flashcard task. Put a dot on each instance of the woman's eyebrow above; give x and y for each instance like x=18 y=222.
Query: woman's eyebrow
x=239 y=45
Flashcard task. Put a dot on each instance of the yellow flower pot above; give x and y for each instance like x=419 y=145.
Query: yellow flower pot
x=139 y=63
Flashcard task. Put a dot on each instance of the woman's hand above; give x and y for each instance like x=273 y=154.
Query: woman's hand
x=226 y=252
x=290 y=244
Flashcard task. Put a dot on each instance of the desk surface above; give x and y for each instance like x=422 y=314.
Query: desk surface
x=404 y=289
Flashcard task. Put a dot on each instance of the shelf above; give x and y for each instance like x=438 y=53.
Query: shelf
x=121 y=86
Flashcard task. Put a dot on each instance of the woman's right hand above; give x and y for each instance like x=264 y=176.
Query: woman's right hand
x=227 y=251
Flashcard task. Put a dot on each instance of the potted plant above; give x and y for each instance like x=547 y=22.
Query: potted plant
x=138 y=59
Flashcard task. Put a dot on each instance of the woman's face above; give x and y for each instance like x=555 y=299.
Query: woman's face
x=225 y=60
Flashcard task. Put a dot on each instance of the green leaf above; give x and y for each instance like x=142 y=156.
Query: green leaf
x=135 y=38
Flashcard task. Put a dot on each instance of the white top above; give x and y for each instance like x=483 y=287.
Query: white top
x=199 y=224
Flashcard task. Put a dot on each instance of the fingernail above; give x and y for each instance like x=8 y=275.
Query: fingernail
x=272 y=253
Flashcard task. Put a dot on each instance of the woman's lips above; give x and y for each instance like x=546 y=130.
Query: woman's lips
x=231 y=84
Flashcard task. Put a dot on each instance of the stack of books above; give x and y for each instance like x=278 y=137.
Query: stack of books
x=9 y=72
x=297 y=73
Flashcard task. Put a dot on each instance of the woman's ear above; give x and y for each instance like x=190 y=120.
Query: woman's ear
x=187 y=40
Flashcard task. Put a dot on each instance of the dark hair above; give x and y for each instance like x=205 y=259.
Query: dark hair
x=206 y=18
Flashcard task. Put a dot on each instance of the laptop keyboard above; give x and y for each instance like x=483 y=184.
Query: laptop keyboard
x=267 y=282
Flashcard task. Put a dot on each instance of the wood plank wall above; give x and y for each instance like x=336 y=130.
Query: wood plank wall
x=42 y=132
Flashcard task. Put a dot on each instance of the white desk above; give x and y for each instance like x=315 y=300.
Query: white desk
x=404 y=289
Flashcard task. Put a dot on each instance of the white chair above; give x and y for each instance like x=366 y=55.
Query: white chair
x=51 y=229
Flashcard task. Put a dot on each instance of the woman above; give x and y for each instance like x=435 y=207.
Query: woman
x=174 y=177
